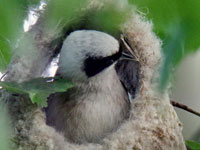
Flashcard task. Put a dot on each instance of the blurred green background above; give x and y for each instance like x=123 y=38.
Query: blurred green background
x=176 y=22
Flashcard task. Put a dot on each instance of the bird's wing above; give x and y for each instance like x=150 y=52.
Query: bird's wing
x=128 y=70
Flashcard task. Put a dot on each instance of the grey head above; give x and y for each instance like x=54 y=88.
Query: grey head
x=86 y=53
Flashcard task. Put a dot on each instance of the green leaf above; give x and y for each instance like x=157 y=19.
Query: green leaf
x=38 y=89
x=39 y=98
x=12 y=14
x=174 y=51
x=8 y=28
x=60 y=13
x=5 y=54
x=177 y=23
x=32 y=2
x=5 y=128
x=109 y=18
x=192 y=145
x=64 y=14
x=13 y=87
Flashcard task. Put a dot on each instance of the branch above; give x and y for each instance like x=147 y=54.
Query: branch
x=1 y=78
x=184 y=107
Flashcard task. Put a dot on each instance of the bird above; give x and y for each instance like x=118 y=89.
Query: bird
x=98 y=103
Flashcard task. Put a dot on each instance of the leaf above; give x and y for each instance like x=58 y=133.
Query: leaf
x=12 y=87
x=5 y=128
x=32 y=2
x=173 y=50
x=173 y=18
x=61 y=13
x=5 y=54
x=192 y=145
x=8 y=29
x=109 y=18
x=64 y=14
x=39 y=98
x=38 y=89
x=12 y=14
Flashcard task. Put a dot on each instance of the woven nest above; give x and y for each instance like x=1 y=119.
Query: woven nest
x=153 y=123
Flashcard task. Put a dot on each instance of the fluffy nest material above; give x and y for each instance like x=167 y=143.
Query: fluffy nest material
x=153 y=123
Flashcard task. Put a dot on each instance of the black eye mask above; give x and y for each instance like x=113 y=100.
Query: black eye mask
x=93 y=65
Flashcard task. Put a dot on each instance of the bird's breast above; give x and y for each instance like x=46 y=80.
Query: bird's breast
x=89 y=114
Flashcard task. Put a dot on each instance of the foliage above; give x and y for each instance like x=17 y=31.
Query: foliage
x=59 y=14
x=5 y=128
x=109 y=18
x=12 y=14
x=38 y=89
x=191 y=145
x=176 y=22
x=62 y=14
x=178 y=25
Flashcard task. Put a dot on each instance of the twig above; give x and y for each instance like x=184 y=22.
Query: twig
x=1 y=78
x=184 y=107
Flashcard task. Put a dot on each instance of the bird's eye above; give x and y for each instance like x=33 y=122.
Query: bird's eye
x=93 y=64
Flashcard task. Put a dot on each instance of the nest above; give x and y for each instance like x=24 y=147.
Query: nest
x=153 y=123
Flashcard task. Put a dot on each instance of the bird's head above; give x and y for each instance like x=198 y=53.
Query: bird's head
x=86 y=53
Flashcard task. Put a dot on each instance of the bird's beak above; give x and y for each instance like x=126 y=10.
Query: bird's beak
x=126 y=56
x=127 y=53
